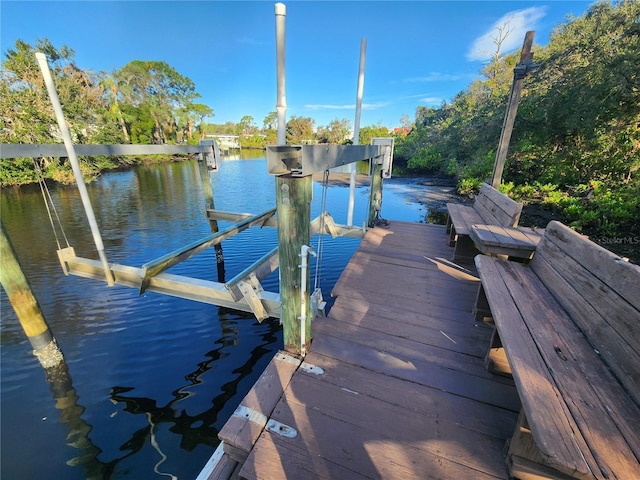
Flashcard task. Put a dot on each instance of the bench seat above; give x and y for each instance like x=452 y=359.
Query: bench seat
x=571 y=334
x=490 y=207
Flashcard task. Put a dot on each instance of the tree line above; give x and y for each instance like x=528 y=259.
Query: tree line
x=144 y=102
x=575 y=146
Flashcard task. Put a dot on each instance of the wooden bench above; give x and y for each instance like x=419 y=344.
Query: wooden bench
x=490 y=207
x=569 y=323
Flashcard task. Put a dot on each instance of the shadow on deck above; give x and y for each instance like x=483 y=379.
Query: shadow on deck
x=404 y=393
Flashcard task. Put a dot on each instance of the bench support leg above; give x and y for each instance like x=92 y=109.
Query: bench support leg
x=464 y=249
x=523 y=458
x=452 y=236
x=495 y=360
x=481 y=309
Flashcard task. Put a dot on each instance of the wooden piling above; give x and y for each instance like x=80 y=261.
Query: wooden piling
x=203 y=169
x=26 y=306
x=375 y=196
x=512 y=110
x=293 y=199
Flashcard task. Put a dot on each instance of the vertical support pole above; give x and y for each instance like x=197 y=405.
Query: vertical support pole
x=375 y=196
x=26 y=306
x=293 y=198
x=66 y=398
x=356 y=130
x=281 y=104
x=512 y=110
x=75 y=165
x=203 y=169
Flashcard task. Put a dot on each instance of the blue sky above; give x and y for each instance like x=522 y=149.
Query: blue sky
x=418 y=52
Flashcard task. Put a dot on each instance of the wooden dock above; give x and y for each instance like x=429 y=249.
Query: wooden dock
x=397 y=386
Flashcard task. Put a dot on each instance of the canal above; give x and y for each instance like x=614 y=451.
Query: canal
x=150 y=379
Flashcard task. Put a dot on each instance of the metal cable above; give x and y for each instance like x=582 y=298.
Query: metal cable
x=48 y=201
x=323 y=206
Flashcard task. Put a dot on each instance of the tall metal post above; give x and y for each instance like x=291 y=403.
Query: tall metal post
x=75 y=165
x=356 y=130
x=26 y=305
x=520 y=72
x=281 y=103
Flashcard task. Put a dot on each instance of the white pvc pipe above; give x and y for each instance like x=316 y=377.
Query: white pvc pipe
x=356 y=130
x=281 y=103
x=75 y=165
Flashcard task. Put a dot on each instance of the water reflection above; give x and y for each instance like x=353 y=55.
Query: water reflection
x=193 y=430
x=201 y=428
x=71 y=412
x=152 y=375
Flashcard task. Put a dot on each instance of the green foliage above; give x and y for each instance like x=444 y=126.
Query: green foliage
x=337 y=132
x=578 y=123
x=427 y=160
x=144 y=102
x=253 y=141
x=372 y=131
x=17 y=171
x=299 y=129
x=469 y=186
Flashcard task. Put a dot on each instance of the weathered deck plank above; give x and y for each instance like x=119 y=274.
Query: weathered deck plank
x=404 y=393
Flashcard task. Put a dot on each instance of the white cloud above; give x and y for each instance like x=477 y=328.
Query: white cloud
x=517 y=23
x=249 y=41
x=432 y=100
x=365 y=106
x=433 y=77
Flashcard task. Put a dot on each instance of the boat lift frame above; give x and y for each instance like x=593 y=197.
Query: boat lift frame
x=244 y=291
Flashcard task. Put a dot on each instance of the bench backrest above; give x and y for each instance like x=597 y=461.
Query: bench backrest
x=601 y=293
x=496 y=208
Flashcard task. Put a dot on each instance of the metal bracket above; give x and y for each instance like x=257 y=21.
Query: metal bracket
x=288 y=358
x=311 y=368
x=250 y=415
x=250 y=294
x=303 y=160
x=331 y=225
x=524 y=68
x=386 y=146
x=281 y=429
x=210 y=157
x=318 y=304
x=63 y=255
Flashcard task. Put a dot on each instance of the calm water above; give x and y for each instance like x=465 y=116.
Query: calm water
x=151 y=379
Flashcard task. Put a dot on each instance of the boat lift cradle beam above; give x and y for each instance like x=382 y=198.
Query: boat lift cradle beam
x=203 y=291
x=268 y=264
x=151 y=269
x=249 y=298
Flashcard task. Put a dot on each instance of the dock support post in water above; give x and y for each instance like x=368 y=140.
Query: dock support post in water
x=203 y=169
x=26 y=306
x=375 y=197
x=293 y=199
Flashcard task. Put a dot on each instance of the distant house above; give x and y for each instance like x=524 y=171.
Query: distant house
x=226 y=142
x=403 y=131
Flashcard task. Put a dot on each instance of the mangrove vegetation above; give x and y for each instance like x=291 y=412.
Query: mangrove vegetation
x=575 y=148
